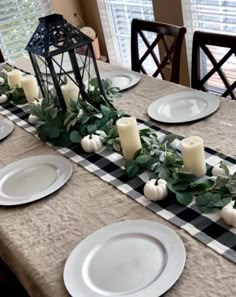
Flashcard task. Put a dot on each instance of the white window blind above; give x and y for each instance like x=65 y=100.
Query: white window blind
x=217 y=16
x=18 y=20
x=116 y=17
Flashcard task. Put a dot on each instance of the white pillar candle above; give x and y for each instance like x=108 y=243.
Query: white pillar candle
x=193 y=155
x=70 y=92
x=129 y=137
x=30 y=87
x=14 y=78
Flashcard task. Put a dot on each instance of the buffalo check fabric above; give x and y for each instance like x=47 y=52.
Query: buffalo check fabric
x=210 y=229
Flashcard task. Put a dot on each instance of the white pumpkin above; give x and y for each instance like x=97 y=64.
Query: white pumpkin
x=2 y=81
x=228 y=214
x=154 y=191
x=91 y=143
x=32 y=119
x=218 y=171
x=3 y=98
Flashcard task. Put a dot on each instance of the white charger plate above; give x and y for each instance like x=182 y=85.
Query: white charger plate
x=123 y=79
x=183 y=107
x=33 y=178
x=6 y=127
x=127 y=259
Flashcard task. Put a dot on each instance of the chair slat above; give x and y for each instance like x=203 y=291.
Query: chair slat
x=172 y=51
x=203 y=41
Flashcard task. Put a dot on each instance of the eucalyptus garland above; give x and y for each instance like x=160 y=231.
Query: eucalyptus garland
x=162 y=159
x=82 y=118
x=98 y=116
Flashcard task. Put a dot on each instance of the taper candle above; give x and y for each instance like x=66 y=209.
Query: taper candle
x=14 y=78
x=193 y=155
x=30 y=87
x=129 y=136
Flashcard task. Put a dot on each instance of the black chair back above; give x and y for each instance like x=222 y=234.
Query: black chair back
x=210 y=54
x=168 y=38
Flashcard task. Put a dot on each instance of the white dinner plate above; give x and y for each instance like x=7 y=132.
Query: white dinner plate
x=6 y=127
x=127 y=259
x=33 y=178
x=124 y=79
x=183 y=107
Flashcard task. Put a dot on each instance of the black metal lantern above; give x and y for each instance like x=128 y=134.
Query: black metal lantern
x=58 y=50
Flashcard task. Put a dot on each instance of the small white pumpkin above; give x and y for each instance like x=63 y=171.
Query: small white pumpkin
x=218 y=171
x=228 y=214
x=32 y=119
x=2 y=81
x=154 y=191
x=3 y=98
x=91 y=143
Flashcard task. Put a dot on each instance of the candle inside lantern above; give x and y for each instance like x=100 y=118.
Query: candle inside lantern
x=193 y=155
x=70 y=92
x=14 y=78
x=129 y=136
x=30 y=87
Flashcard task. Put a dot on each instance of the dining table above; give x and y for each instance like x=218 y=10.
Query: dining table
x=37 y=238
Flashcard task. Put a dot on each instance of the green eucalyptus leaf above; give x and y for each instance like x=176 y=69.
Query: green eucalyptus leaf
x=231 y=186
x=203 y=199
x=221 y=181
x=203 y=185
x=133 y=170
x=52 y=112
x=75 y=136
x=144 y=132
x=181 y=186
x=143 y=159
x=214 y=200
x=163 y=173
x=105 y=110
x=49 y=130
x=171 y=187
x=233 y=176
x=206 y=209
x=168 y=139
x=184 y=198
x=222 y=202
x=116 y=147
x=91 y=129
x=225 y=168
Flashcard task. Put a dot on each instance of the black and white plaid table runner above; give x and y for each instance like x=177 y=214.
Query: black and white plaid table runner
x=210 y=229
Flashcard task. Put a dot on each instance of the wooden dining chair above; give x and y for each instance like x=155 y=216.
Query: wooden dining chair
x=1 y=57
x=213 y=63
x=164 y=48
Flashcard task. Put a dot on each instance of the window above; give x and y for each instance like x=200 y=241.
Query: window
x=217 y=16
x=18 y=20
x=116 y=17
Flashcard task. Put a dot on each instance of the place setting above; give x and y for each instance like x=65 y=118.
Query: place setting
x=183 y=107
x=6 y=128
x=32 y=178
x=130 y=258
x=122 y=79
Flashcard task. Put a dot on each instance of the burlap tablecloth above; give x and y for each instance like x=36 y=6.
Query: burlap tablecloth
x=36 y=239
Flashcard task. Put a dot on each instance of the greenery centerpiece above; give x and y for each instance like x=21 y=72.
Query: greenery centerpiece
x=97 y=116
